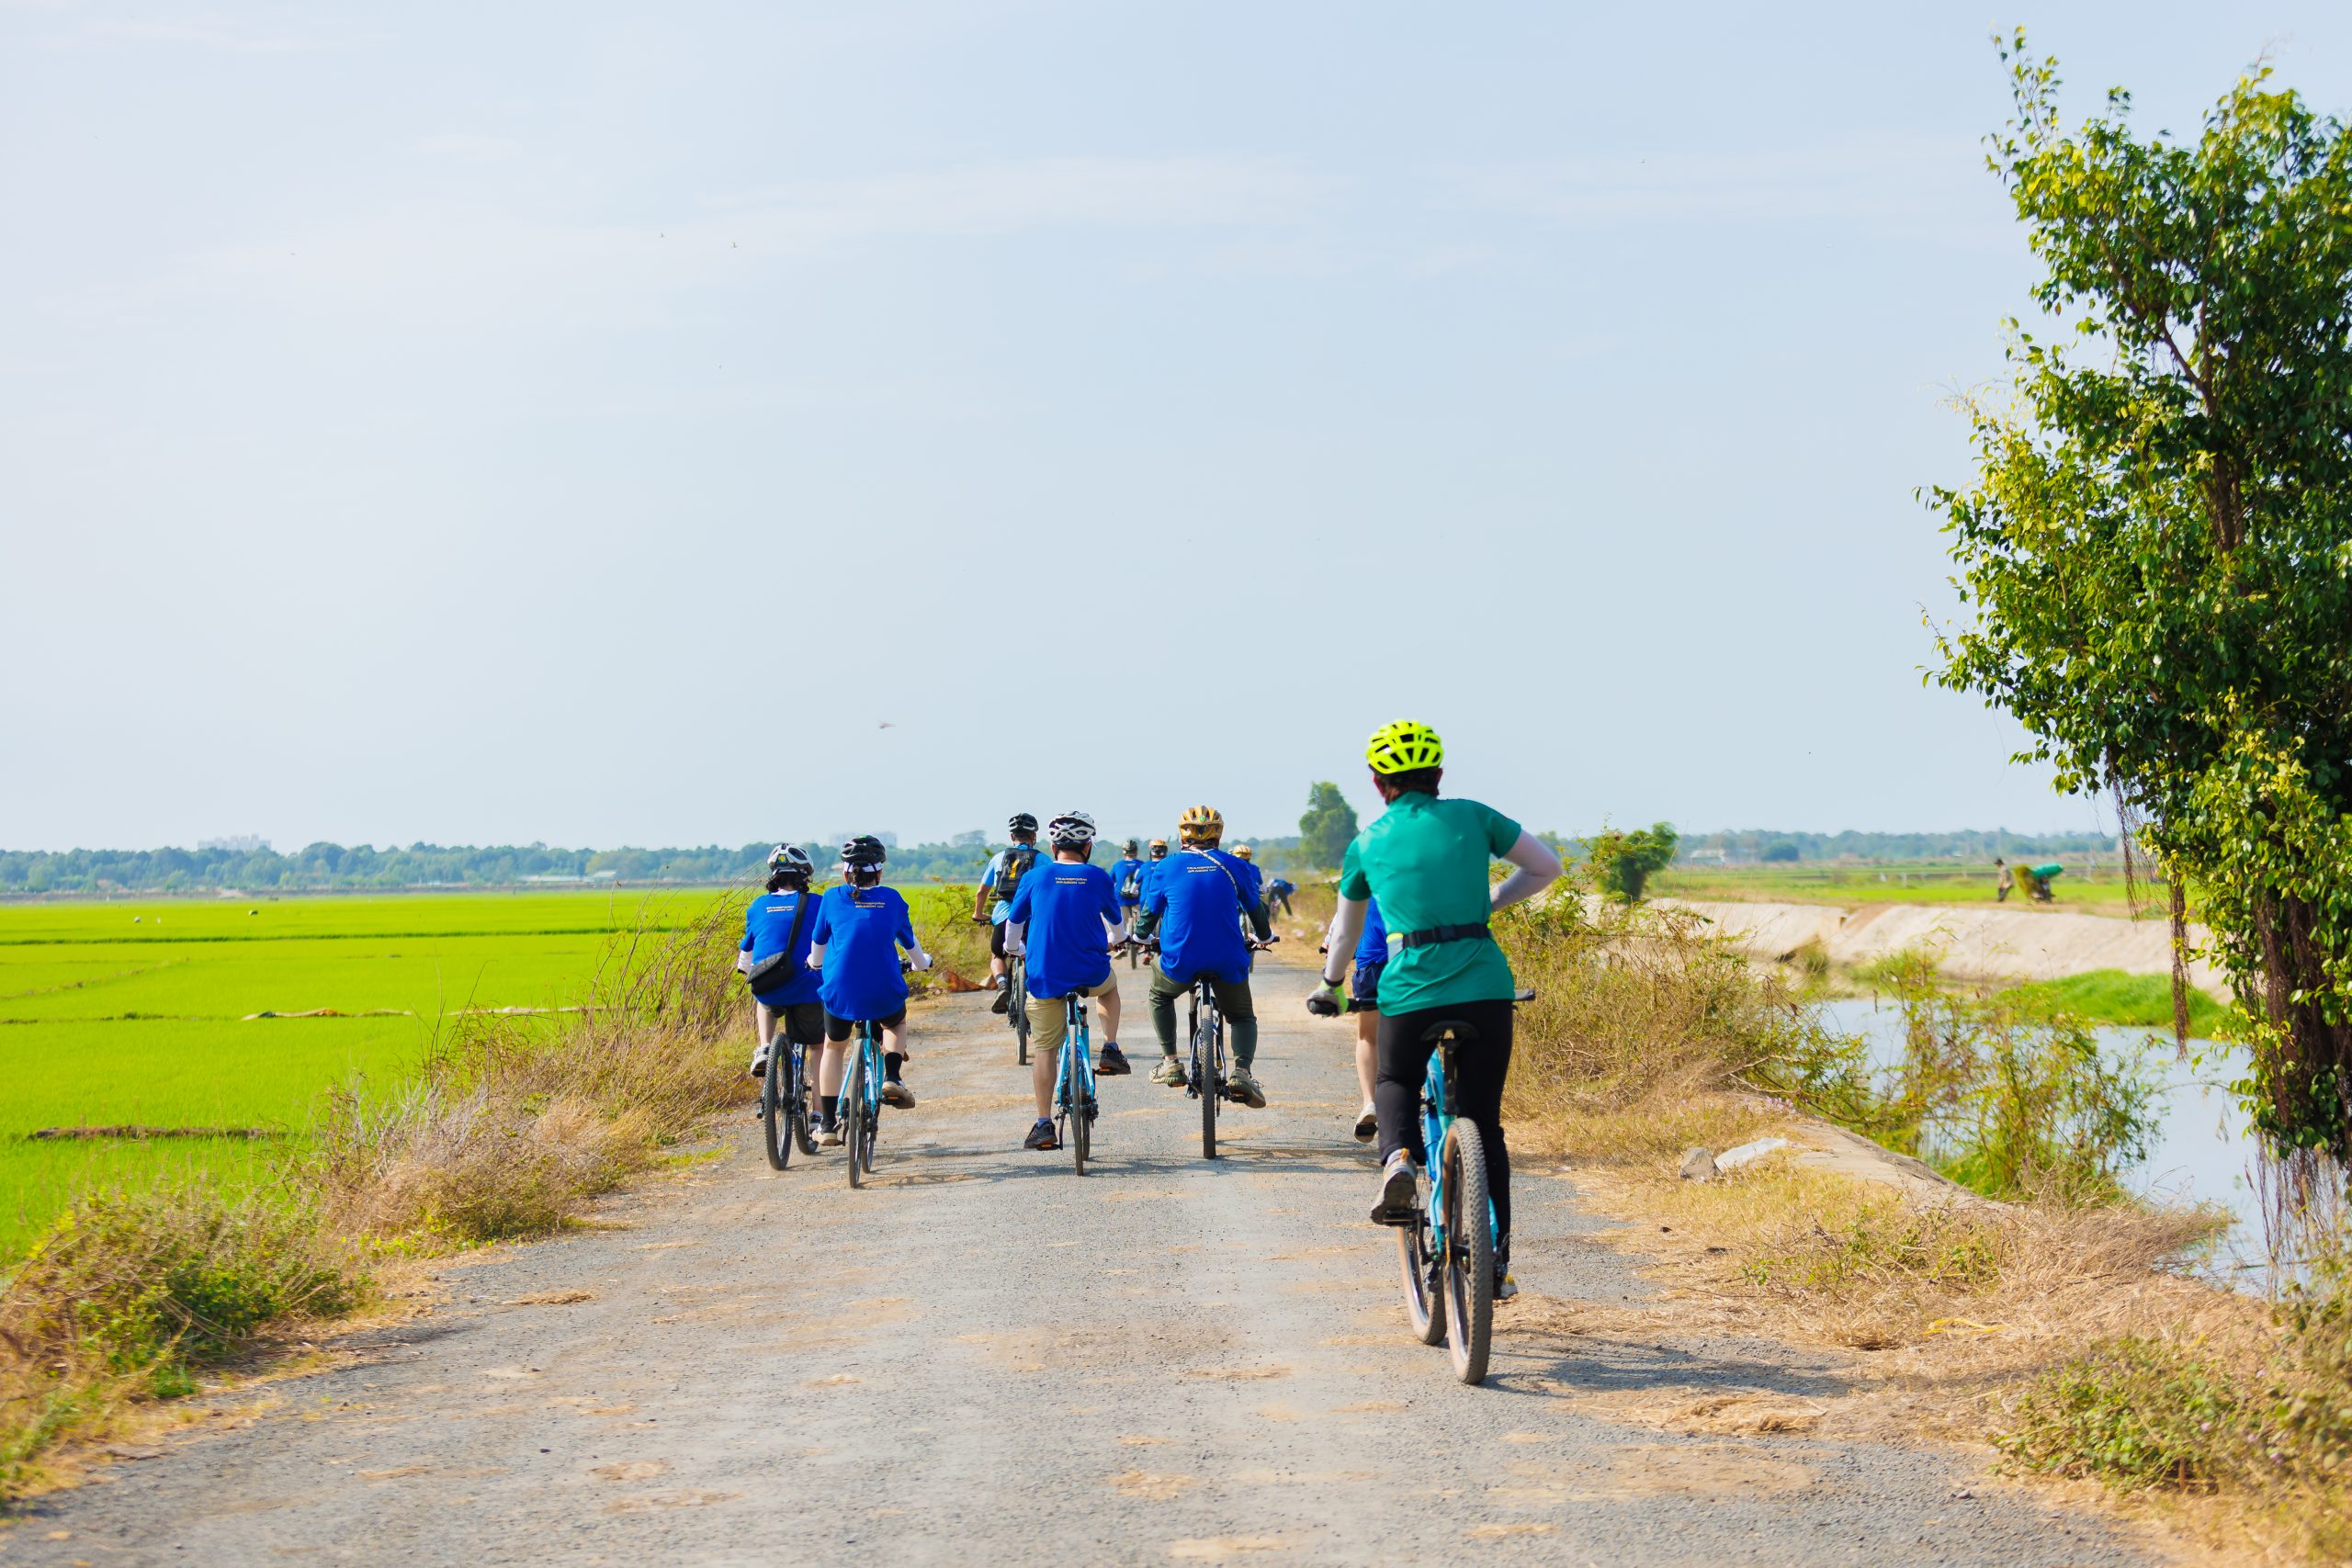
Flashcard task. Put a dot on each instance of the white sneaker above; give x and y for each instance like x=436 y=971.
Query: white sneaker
x=760 y=1062
x=1367 y=1123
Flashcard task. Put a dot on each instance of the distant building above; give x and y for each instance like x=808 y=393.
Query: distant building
x=236 y=844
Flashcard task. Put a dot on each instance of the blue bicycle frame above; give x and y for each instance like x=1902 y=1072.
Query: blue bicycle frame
x=1437 y=1117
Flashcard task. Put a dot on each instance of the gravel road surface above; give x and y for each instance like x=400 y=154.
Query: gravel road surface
x=982 y=1358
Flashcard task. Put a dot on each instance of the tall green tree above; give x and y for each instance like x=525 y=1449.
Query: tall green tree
x=1622 y=864
x=1329 y=825
x=2157 y=550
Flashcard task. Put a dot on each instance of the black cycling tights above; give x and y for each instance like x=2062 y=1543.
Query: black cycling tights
x=1479 y=1071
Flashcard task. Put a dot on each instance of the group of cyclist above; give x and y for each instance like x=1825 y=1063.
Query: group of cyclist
x=1414 y=901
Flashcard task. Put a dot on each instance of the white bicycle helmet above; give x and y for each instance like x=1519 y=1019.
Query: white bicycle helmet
x=791 y=860
x=1071 y=830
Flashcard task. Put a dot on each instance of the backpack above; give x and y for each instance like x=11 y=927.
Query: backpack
x=1018 y=859
x=1131 y=886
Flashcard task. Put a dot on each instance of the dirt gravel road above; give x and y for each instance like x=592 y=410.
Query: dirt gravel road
x=982 y=1358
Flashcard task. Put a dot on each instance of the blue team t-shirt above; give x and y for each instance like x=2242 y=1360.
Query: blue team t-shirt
x=862 y=929
x=1129 y=867
x=1373 y=946
x=1199 y=896
x=767 y=926
x=1063 y=906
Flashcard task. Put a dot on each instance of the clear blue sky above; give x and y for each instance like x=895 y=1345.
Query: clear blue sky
x=590 y=424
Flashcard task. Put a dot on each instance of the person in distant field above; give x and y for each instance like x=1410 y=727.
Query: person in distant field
x=1064 y=918
x=860 y=927
x=1278 y=892
x=1127 y=880
x=993 y=896
x=777 y=922
x=2031 y=880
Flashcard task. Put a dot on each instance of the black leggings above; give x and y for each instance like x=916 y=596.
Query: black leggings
x=1479 y=1071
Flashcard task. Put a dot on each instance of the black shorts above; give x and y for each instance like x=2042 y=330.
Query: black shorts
x=840 y=1029
x=996 y=939
x=1364 y=989
x=800 y=1023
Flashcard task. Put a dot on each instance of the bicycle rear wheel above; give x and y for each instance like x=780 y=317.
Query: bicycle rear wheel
x=1076 y=1046
x=854 y=1116
x=775 y=1107
x=1208 y=1076
x=1469 y=1252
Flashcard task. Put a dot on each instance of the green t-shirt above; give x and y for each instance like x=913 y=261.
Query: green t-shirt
x=1425 y=859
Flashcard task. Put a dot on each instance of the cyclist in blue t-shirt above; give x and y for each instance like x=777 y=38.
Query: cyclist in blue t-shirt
x=1195 y=903
x=1126 y=880
x=860 y=927
x=993 y=897
x=1064 y=918
x=1278 y=892
x=779 y=919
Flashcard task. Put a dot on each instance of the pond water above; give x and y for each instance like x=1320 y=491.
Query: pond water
x=2203 y=1151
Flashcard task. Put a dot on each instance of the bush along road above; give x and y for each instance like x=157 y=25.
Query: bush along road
x=981 y=1356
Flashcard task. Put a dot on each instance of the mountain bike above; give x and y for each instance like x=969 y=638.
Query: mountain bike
x=1074 y=1102
x=861 y=1100
x=1205 y=1023
x=1447 y=1254
x=784 y=1101
x=1017 y=988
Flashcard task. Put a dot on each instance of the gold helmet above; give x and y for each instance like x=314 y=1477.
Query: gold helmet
x=1200 y=825
x=1241 y=850
x=1158 y=847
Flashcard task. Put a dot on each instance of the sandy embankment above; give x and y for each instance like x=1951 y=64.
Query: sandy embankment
x=1976 y=944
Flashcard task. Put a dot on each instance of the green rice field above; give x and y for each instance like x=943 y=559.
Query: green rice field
x=139 y=1012
x=2090 y=889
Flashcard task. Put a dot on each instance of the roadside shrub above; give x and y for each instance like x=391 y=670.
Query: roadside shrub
x=129 y=1291
x=513 y=1123
x=2133 y=1413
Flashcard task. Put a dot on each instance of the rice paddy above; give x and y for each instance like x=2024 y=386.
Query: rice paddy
x=147 y=1013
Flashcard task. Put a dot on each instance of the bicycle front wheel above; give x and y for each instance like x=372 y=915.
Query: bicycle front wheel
x=1018 y=988
x=856 y=1134
x=805 y=1107
x=1469 y=1251
x=775 y=1107
x=1424 y=1293
x=1076 y=1046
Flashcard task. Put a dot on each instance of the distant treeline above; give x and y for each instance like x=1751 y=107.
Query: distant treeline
x=1766 y=846
x=325 y=865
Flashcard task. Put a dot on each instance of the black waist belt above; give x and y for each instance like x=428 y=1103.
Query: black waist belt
x=1442 y=934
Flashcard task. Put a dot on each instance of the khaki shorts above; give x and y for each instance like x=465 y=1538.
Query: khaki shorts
x=1048 y=1021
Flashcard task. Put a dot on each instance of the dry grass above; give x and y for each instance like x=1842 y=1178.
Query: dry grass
x=2062 y=1334
x=515 y=1122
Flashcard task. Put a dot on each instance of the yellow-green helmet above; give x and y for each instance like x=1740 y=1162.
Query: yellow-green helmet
x=1404 y=746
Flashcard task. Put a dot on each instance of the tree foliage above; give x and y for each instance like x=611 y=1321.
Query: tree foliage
x=1622 y=864
x=2158 y=544
x=1329 y=825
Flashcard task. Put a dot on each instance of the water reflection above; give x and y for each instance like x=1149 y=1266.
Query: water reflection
x=2203 y=1151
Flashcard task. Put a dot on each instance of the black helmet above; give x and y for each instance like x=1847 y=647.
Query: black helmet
x=1023 y=822
x=864 y=852
x=1134 y=849
x=791 y=860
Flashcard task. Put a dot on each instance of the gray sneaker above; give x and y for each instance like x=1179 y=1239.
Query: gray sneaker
x=1400 y=1197
x=1244 y=1087
x=1170 y=1072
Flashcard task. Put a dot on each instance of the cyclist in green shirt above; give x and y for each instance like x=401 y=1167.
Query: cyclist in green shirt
x=1425 y=859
